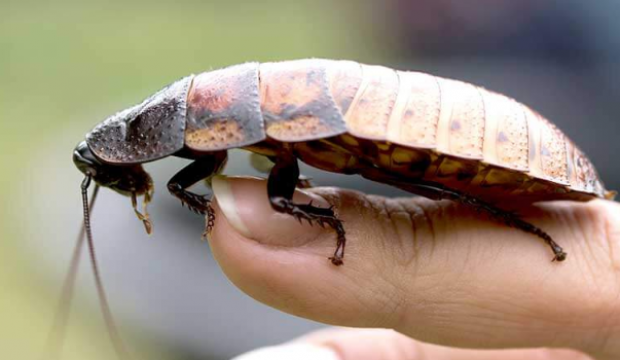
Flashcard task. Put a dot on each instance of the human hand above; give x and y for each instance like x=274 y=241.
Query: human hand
x=436 y=272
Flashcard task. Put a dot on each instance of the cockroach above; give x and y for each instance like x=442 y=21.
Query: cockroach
x=434 y=137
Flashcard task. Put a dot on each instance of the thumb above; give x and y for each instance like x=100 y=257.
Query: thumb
x=280 y=262
x=434 y=271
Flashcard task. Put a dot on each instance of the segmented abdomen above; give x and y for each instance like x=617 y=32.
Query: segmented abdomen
x=466 y=136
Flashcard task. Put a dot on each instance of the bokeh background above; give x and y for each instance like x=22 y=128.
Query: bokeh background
x=67 y=64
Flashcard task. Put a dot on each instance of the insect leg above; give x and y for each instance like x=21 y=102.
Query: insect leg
x=438 y=192
x=280 y=187
x=264 y=164
x=203 y=168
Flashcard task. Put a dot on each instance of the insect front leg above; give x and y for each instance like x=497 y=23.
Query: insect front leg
x=280 y=188
x=203 y=168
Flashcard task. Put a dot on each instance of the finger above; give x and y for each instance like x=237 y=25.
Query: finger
x=434 y=271
x=373 y=344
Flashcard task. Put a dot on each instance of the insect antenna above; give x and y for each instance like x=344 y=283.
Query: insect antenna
x=116 y=340
x=56 y=338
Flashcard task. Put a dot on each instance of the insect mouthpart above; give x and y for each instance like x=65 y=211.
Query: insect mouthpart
x=124 y=179
x=128 y=180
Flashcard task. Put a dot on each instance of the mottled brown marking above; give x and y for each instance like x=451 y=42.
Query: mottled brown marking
x=345 y=78
x=224 y=109
x=298 y=92
x=497 y=176
x=369 y=114
x=586 y=174
x=460 y=101
x=416 y=111
x=327 y=156
x=460 y=169
x=296 y=128
x=553 y=152
x=411 y=162
x=506 y=136
x=204 y=96
x=215 y=135
x=535 y=143
x=461 y=122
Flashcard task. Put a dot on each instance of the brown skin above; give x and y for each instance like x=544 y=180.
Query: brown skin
x=434 y=271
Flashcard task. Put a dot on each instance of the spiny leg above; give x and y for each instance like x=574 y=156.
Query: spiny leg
x=438 y=192
x=203 y=168
x=280 y=188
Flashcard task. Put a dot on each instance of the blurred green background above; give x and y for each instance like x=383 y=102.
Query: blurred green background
x=65 y=65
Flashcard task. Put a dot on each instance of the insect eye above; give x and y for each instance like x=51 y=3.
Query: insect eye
x=85 y=160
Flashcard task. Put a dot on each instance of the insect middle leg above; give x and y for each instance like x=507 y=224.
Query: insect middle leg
x=203 y=168
x=264 y=164
x=439 y=192
x=280 y=188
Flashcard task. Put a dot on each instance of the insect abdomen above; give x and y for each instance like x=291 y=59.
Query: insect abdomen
x=464 y=121
x=472 y=137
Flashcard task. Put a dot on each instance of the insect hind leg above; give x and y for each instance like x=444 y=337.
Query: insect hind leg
x=280 y=188
x=439 y=192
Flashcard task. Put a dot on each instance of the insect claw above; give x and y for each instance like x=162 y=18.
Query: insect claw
x=336 y=260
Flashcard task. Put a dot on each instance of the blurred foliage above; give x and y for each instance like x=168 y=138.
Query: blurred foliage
x=65 y=65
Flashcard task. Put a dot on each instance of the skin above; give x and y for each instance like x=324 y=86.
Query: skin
x=435 y=272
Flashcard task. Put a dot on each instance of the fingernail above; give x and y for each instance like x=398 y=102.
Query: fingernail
x=226 y=200
x=289 y=352
x=245 y=204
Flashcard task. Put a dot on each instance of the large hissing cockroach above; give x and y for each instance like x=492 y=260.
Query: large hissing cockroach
x=439 y=138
